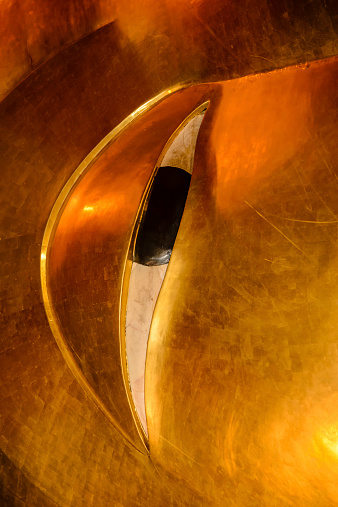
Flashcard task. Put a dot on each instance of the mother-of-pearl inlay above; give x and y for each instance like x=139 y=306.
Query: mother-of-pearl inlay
x=146 y=280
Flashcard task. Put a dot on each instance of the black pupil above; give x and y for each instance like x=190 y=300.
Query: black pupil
x=161 y=220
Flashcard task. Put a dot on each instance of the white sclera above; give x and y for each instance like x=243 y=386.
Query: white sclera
x=144 y=287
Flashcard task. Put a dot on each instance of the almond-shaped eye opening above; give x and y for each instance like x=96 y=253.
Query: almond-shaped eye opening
x=154 y=236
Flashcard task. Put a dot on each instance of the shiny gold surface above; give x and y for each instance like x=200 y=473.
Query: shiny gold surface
x=175 y=41
x=241 y=386
x=240 y=312
x=242 y=376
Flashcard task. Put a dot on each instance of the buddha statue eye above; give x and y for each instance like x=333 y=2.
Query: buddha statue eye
x=154 y=236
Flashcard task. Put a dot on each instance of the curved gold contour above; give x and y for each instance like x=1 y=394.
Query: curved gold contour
x=128 y=265
x=46 y=243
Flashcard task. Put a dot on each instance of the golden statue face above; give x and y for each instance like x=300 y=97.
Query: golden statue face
x=241 y=378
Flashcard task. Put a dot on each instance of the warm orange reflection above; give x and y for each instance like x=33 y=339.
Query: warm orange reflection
x=242 y=377
x=261 y=124
x=174 y=41
x=330 y=441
